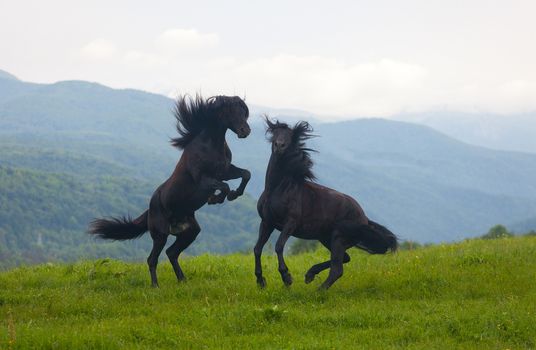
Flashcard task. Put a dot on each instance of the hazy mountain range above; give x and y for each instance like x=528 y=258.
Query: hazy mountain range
x=424 y=185
x=514 y=132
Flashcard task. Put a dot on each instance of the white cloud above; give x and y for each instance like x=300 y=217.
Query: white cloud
x=329 y=86
x=99 y=49
x=332 y=86
x=180 y=40
x=140 y=59
x=498 y=97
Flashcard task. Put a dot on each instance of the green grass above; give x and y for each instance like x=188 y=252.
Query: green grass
x=476 y=294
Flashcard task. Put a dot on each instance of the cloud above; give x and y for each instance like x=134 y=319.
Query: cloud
x=180 y=40
x=517 y=95
x=99 y=49
x=329 y=85
x=140 y=59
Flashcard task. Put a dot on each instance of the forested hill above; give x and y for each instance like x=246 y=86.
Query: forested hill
x=422 y=184
x=43 y=216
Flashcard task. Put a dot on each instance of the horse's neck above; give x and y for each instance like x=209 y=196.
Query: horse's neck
x=275 y=174
x=215 y=136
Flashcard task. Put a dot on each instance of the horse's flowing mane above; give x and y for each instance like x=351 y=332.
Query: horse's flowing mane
x=193 y=115
x=297 y=162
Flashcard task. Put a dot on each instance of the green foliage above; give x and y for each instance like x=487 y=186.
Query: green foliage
x=497 y=231
x=300 y=246
x=43 y=217
x=478 y=294
x=409 y=245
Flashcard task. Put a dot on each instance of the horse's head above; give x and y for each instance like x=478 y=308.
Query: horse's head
x=284 y=138
x=232 y=112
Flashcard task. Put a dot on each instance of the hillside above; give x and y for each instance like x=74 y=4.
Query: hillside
x=513 y=132
x=472 y=295
x=6 y=75
x=427 y=185
x=424 y=185
x=525 y=225
x=43 y=217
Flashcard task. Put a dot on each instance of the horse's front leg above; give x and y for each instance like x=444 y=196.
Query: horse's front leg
x=235 y=172
x=279 y=249
x=216 y=185
x=265 y=231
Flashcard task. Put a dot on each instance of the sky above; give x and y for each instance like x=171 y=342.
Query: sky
x=336 y=59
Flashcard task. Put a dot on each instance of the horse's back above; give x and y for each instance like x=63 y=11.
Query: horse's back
x=316 y=209
x=331 y=205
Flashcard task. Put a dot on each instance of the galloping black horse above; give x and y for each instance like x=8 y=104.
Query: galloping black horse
x=295 y=205
x=198 y=178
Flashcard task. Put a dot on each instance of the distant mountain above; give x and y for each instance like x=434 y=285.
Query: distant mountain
x=423 y=184
x=524 y=226
x=428 y=186
x=6 y=75
x=513 y=132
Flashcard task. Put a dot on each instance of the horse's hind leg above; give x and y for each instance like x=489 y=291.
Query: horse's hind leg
x=159 y=241
x=337 y=257
x=184 y=239
x=316 y=269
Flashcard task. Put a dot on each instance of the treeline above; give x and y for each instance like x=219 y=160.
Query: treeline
x=43 y=217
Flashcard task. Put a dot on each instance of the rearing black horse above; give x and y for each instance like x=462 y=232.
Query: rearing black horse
x=198 y=179
x=295 y=205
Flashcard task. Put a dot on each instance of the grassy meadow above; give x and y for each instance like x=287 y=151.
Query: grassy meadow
x=477 y=294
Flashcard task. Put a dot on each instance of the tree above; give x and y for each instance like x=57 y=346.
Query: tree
x=301 y=246
x=497 y=231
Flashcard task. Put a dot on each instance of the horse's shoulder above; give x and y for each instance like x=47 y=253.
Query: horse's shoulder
x=227 y=152
x=261 y=204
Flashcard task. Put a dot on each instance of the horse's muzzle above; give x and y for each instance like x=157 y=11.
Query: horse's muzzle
x=243 y=132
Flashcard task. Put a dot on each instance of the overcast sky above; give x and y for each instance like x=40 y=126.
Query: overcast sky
x=337 y=58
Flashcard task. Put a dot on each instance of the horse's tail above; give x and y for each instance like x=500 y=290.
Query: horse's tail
x=373 y=238
x=119 y=229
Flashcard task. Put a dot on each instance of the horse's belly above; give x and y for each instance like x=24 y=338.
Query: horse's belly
x=185 y=199
x=313 y=229
x=200 y=198
x=306 y=234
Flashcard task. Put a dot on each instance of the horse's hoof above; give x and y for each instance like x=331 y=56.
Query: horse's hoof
x=155 y=285
x=309 y=278
x=287 y=279
x=261 y=282
x=231 y=196
x=323 y=287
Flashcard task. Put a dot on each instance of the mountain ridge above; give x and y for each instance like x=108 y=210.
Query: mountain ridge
x=423 y=184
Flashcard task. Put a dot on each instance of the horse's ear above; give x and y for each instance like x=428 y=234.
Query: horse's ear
x=269 y=124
